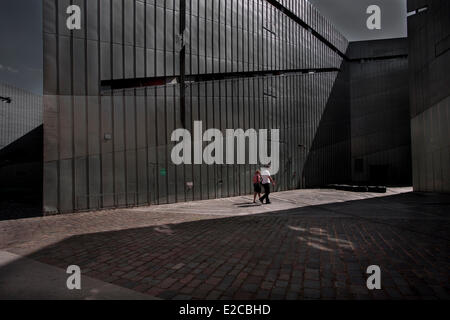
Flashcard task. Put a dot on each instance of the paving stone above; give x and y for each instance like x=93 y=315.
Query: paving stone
x=182 y=297
x=253 y=288
x=441 y=293
x=311 y=294
x=311 y=284
x=328 y=292
x=278 y=291
x=262 y=295
x=214 y=295
x=292 y=296
x=314 y=244
x=281 y=284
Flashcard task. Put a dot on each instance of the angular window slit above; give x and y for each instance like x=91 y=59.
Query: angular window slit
x=108 y=85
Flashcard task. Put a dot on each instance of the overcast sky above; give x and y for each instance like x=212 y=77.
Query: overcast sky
x=21 y=44
x=350 y=17
x=21 y=33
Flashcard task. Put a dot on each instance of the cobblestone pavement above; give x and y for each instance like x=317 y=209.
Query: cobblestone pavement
x=309 y=244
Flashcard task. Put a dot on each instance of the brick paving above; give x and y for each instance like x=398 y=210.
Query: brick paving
x=310 y=244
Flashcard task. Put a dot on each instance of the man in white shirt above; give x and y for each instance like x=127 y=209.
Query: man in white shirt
x=266 y=182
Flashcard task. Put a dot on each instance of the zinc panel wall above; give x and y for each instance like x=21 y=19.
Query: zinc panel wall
x=429 y=55
x=112 y=148
x=243 y=36
x=19 y=117
x=380 y=124
x=428 y=34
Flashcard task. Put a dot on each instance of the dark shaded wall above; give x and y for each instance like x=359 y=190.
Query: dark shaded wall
x=329 y=160
x=112 y=148
x=380 y=124
x=21 y=148
x=364 y=133
x=19 y=117
x=429 y=46
x=21 y=175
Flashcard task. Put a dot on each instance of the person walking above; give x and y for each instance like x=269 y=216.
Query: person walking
x=267 y=181
x=257 y=185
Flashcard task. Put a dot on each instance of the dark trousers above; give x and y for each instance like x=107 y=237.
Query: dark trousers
x=266 y=192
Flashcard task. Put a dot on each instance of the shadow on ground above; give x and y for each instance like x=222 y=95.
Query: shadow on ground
x=316 y=252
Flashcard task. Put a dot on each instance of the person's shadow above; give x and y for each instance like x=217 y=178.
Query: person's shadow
x=248 y=204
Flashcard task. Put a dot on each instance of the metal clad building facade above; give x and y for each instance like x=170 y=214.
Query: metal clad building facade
x=429 y=46
x=19 y=117
x=328 y=159
x=380 y=122
x=246 y=63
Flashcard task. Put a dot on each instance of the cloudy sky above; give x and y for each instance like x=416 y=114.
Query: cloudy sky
x=350 y=17
x=21 y=44
x=21 y=33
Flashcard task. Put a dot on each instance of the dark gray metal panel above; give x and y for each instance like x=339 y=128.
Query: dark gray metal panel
x=170 y=127
x=66 y=199
x=50 y=13
x=380 y=120
x=119 y=154
x=22 y=114
x=429 y=75
x=151 y=135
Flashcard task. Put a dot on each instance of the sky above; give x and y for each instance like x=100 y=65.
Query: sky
x=350 y=17
x=21 y=33
x=21 y=44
